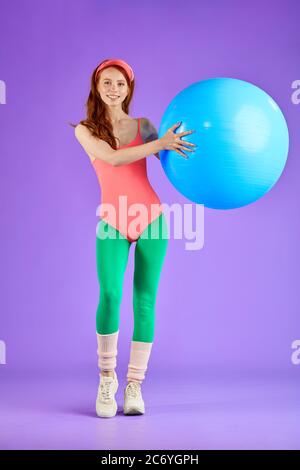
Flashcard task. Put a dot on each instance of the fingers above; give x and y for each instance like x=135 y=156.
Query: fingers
x=182 y=147
x=185 y=142
x=177 y=148
x=179 y=144
x=175 y=125
x=185 y=132
x=188 y=143
x=180 y=153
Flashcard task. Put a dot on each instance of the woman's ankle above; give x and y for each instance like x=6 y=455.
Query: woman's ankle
x=107 y=373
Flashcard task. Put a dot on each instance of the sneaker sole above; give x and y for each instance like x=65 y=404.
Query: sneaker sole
x=134 y=411
x=108 y=414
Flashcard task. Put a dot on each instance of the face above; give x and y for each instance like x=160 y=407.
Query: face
x=112 y=86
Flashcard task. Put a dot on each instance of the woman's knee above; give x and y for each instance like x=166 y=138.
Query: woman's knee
x=108 y=312
x=110 y=300
x=144 y=318
x=144 y=304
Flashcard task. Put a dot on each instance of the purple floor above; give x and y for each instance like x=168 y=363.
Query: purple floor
x=181 y=413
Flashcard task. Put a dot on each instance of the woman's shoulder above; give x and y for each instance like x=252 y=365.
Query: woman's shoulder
x=148 y=129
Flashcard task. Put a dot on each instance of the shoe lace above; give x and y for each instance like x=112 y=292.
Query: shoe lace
x=133 y=389
x=106 y=390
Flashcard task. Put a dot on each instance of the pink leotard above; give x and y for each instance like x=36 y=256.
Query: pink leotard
x=129 y=180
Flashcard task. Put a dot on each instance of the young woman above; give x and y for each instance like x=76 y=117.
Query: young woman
x=117 y=146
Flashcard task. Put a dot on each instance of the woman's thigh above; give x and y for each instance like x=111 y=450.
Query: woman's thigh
x=112 y=250
x=150 y=251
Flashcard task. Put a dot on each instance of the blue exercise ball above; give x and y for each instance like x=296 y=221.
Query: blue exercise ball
x=242 y=143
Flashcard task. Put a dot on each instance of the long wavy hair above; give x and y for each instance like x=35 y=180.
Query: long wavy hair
x=97 y=119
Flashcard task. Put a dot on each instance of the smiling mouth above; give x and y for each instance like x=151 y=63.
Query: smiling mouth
x=113 y=97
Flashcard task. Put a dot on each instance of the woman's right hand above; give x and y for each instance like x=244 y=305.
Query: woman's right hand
x=171 y=141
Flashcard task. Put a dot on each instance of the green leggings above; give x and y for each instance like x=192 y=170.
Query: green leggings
x=112 y=256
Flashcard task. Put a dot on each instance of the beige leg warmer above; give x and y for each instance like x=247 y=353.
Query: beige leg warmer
x=139 y=357
x=107 y=350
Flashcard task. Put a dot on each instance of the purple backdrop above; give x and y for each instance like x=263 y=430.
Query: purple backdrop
x=230 y=308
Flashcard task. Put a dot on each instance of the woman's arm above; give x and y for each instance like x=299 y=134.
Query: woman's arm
x=149 y=132
x=132 y=154
x=100 y=149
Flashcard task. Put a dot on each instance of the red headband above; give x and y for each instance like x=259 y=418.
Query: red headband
x=122 y=63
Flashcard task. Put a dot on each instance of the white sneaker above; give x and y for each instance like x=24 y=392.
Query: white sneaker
x=106 y=405
x=133 y=401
